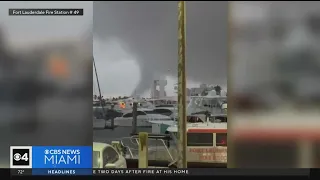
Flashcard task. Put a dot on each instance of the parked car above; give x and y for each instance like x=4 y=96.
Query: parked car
x=106 y=156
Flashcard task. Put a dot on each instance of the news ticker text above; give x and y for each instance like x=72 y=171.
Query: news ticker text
x=164 y=172
x=45 y=12
x=99 y=172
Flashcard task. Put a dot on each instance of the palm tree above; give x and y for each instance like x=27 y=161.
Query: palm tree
x=204 y=92
x=218 y=89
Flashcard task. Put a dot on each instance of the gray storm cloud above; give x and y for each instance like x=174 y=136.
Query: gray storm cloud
x=149 y=31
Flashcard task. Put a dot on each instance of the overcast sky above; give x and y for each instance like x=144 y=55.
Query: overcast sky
x=137 y=42
x=130 y=38
x=118 y=71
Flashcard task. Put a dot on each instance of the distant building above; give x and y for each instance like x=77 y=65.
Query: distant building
x=201 y=89
x=197 y=91
x=156 y=94
x=158 y=84
x=203 y=86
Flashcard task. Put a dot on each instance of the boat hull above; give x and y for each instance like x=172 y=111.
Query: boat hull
x=140 y=123
x=128 y=123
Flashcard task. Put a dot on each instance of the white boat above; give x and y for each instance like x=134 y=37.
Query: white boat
x=144 y=116
x=168 y=111
x=206 y=141
x=198 y=105
x=171 y=101
x=198 y=120
x=213 y=104
x=125 y=105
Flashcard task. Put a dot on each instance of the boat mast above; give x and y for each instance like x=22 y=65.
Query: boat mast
x=182 y=119
x=100 y=99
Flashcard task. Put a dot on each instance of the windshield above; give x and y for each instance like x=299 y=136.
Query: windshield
x=215 y=119
x=166 y=105
x=96 y=159
x=150 y=112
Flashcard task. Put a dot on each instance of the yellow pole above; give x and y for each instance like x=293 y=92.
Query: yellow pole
x=143 y=150
x=182 y=134
x=231 y=151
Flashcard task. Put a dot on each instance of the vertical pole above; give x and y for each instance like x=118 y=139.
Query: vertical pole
x=134 y=117
x=231 y=150
x=143 y=150
x=182 y=134
x=100 y=99
x=112 y=117
x=305 y=159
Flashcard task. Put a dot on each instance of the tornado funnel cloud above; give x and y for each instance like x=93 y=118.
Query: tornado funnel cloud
x=149 y=30
x=144 y=84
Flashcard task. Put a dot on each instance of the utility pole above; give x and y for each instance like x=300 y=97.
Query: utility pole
x=182 y=128
x=100 y=99
x=134 y=117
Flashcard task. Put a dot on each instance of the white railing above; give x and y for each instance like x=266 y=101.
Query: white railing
x=157 y=149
